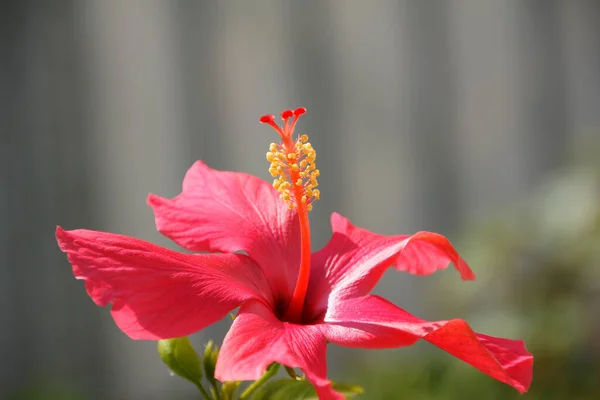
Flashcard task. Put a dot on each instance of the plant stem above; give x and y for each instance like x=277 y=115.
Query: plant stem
x=203 y=391
x=291 y=372
x=271 y=371
x=216 y=392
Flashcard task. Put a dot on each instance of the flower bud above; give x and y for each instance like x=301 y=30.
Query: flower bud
x=211 y=352
x=229 y=389
x=181 y=358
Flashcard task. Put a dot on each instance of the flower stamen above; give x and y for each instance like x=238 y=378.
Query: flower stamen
x=293 y=165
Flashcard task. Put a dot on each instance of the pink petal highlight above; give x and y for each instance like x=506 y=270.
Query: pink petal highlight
x=354 y=260
x=158 y=293
x=257 y=339
x=360 y=322
x=221 y=211
x=427 y=252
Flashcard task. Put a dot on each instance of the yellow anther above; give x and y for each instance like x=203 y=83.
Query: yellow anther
x=295 y=172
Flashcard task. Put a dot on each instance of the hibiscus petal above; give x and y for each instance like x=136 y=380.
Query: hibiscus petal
x=354 y=260
x=158 y=293
x=257 y=339
x=373 y=322
x=221 y=211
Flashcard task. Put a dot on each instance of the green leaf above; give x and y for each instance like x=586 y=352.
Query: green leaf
x=348 y=390
x=292 y=389
x=283 y=389
x=181 y=358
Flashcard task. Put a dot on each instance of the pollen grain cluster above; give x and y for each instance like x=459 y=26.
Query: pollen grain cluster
x=295 y=172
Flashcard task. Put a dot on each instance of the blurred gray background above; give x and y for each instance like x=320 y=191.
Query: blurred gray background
x=425 y=115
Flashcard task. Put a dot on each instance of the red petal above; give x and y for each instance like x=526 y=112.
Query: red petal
x=226 y=212
x=158 y=293
x=354 y=260
x=373 y=322
x=257 y=339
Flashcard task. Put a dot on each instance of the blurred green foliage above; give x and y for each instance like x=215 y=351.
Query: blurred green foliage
x=538 y=278
x=47 y=391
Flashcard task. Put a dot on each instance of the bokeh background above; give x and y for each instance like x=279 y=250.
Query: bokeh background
x=476 y=119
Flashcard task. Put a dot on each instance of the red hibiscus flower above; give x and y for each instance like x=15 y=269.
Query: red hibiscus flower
x=292 y=302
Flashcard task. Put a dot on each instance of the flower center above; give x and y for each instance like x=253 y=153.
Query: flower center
x=295 y=172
